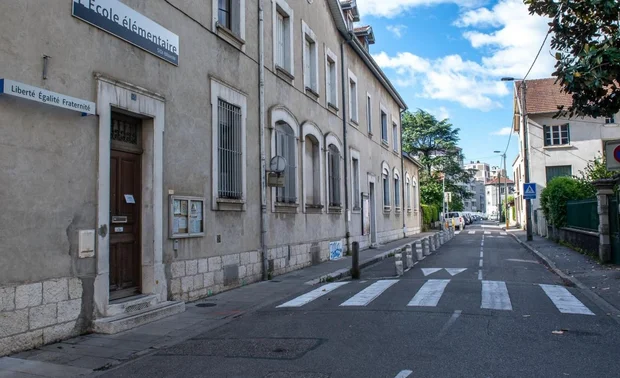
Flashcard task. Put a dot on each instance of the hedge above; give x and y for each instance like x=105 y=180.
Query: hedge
x=430 y=213
x=554 y=197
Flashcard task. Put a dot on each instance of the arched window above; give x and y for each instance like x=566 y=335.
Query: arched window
x=408 y=191
x=415 y=195
x=312 y=170
x=333 y=164
x=396 y=189
x=286 y=147
x=385 y=174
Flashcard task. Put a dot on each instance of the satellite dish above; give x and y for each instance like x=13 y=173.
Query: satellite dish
x=277 y=164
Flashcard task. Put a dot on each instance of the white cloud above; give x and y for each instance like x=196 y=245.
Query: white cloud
x=440 y=113
x=391 y=8
x=507 y=50
x=397 y=30
x=503 y=131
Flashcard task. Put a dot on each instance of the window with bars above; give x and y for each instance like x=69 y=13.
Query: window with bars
x=286 y=147
x=386 y=188
x=224 y=16
x=355 y=174
x=384 y=127
x=312 y=171
x=558 y=171
x=395 y=136
x=557 y=135
x=230 y=150
x=333 y=163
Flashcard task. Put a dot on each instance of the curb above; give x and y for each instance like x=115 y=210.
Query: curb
x=346 y=272
x=573 y=282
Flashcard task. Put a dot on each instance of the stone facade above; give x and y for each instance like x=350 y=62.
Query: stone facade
x=39 y=313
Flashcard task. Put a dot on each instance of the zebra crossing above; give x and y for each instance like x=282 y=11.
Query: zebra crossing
x=483 y=232
x=494 y=295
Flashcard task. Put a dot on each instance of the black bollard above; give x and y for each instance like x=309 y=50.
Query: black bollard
x=355 y=268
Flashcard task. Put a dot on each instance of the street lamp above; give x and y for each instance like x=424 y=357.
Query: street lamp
x=499 y=183
x=526 y=160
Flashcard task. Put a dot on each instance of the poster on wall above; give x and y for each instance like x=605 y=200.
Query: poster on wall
x=186 y=217
x=335 y=250
x=365 y=215
x=125 y=23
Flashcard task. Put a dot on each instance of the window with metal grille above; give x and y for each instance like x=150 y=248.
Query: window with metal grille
x=395 y=136
x=286 y=147
x=230 y=149
x=558 y=171
x=397 y=192
x=224 y=13
x=557 y=135
x=312 y=171
x=386 y=188
x=125 y=129
x=333 y=163
x=355 y=174
x=384 y=127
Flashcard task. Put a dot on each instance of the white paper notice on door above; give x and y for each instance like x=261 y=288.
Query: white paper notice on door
x=129 y=198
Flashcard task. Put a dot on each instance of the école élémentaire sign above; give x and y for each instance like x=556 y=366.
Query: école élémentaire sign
x=118 y=19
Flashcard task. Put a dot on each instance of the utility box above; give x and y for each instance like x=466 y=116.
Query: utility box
x=86 y=244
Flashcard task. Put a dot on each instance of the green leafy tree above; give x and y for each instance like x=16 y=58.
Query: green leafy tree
x=434 y=142
x=457 y=203
x=586 y=38
x=595 y=169
x=554 y=197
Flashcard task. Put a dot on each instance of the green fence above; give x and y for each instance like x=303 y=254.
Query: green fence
x=582 y=214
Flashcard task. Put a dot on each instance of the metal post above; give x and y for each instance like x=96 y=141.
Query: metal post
x=355 y=269
x=506 y=194
x=443 y=202
x=526 y=160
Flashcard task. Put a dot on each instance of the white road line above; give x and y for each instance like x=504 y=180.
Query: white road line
x=481 y=254
x=495 y=296
x=480 y=264
x=503 y=233
x=471 y=232
x=404 y=374
x=565 y=301
x=450 y=321
x=480 y=274
x=427 y=271
x=369 y=294
x=429 y=294
x=457 y=232
x=487 y=232
x=314 y=294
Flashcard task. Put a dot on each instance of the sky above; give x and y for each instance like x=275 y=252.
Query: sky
x=448 y=56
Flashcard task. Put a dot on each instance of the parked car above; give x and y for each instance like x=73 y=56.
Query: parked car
x=468 y=219
x=457 y=217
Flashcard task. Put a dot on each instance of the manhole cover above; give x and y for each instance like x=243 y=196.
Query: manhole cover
x=206 y=304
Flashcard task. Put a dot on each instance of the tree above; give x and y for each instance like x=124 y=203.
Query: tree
x=595 y=169
x=434 y=142
x=457 y=203
x=586 y=38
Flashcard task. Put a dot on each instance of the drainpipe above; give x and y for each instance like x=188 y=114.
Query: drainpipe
x=261 y=139
x=344 y=141
x=403 y=178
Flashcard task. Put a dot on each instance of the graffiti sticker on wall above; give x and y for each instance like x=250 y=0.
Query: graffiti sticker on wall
x=335 y=250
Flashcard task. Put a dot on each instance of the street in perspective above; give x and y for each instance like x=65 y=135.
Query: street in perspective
x=309 y=188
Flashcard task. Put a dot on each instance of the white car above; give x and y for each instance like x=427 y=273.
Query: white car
x=456 y=219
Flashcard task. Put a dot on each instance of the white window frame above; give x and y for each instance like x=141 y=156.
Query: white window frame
x=369 y=113
x=309 y=128
x=397 y=189
x=385 y=175
x=329 y=101
x=331 y=138
x=237 y=20
x=311 y=79
x=355 y=192
x=408 y=192
x=282 y=7
x=222 y=91
x=281 y=114
x=395 y=135
x=353 y=116
x=559 y=130
x=385 y=141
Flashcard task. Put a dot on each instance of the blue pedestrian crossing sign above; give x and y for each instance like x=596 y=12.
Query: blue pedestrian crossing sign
x=529 y=191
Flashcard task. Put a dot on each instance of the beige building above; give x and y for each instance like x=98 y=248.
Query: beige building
x=137 y=139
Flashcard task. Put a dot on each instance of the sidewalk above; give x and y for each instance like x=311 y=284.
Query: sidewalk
x=96 y=352
x=600 y=282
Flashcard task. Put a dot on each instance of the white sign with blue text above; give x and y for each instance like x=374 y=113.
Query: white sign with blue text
x=13 y=88
x=529 y=191
x=118 y=19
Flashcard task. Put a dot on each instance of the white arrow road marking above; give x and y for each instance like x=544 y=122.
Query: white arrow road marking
x=565 y=301
x=455 y=271
x=314 y=294
x=369 y=294
x=495 y=296
x=428 y=271
x=403 y=374
x=429 y=294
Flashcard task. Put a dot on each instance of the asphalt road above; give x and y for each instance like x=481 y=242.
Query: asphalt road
x=481 y=306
